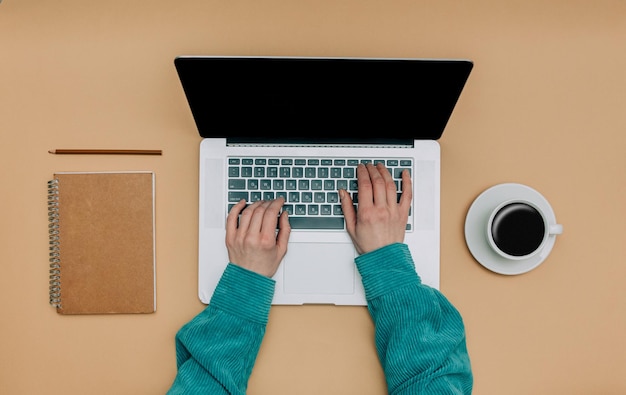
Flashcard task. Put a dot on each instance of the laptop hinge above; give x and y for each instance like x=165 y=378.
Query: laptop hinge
x=345 y=143
x=322 y=145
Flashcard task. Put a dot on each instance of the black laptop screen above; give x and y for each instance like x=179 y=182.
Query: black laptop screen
x=338 y=100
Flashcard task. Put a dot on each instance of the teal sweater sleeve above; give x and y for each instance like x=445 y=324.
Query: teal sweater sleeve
x=420 y=336
x=216 y=350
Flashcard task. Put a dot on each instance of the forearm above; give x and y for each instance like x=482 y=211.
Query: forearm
x=215 y=351
x=420 y=337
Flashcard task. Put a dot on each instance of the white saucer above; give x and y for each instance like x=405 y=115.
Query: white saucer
x=476 y=228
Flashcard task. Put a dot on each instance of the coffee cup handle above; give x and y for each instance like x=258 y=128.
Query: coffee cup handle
x=556 y=229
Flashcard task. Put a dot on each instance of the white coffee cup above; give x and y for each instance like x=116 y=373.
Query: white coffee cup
x=518 y=229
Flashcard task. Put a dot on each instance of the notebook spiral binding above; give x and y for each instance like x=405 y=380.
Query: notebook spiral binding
x=53 y=235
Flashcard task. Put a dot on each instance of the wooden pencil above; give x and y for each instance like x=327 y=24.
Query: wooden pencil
x=105 y=152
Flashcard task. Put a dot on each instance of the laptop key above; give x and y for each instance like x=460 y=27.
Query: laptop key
x=237 y=196
x=316 y=185
x=337 y=209
x=316 y=222
x=246 y=171
x=237 y=183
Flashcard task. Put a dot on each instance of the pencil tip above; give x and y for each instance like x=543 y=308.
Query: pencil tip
x=50 y=151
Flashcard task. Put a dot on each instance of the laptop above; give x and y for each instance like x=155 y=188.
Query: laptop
x=297 y=127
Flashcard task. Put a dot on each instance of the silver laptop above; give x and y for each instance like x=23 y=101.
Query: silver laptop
x=297 y=127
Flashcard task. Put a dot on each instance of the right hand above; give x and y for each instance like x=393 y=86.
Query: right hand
x=380 y=219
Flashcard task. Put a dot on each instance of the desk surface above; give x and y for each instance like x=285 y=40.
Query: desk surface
x=544 y=106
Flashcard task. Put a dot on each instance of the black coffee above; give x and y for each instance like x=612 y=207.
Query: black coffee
x=518 y=229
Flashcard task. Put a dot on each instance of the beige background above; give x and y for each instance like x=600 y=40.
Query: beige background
x=544 y=106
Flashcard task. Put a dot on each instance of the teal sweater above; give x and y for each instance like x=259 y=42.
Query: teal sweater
x=420 y=336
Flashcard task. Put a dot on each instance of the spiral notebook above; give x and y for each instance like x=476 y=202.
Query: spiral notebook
x=102 y=242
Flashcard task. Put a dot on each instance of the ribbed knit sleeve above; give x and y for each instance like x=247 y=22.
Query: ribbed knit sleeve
x=420 y=336
x=215 y=351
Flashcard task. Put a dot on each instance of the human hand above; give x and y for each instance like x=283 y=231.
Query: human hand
x=380 y=219
x=252 y=241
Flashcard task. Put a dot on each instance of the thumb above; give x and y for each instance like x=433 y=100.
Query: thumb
x=349 y=214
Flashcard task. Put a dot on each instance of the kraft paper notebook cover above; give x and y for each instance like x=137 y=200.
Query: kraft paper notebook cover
x=102 y=242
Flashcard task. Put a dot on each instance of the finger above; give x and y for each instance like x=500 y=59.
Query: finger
x=256 y=220
x=232 y=220
x=284 y=230
x=407 y=192
x=270 y=217
x=246 y=216
x=366 y=197
x=379 y=191
x=390 y=186
x=347 y=206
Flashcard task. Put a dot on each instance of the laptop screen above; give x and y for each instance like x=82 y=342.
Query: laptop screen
x=323 y=100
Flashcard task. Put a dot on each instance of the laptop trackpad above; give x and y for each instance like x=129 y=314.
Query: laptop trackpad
x=319 y=268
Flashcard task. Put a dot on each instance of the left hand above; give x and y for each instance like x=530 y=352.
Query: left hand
x=252 y=241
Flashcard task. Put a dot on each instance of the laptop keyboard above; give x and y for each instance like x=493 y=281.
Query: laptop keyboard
x=309 y=186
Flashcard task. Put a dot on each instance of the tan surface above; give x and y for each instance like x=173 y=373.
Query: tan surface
x=544 y=106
